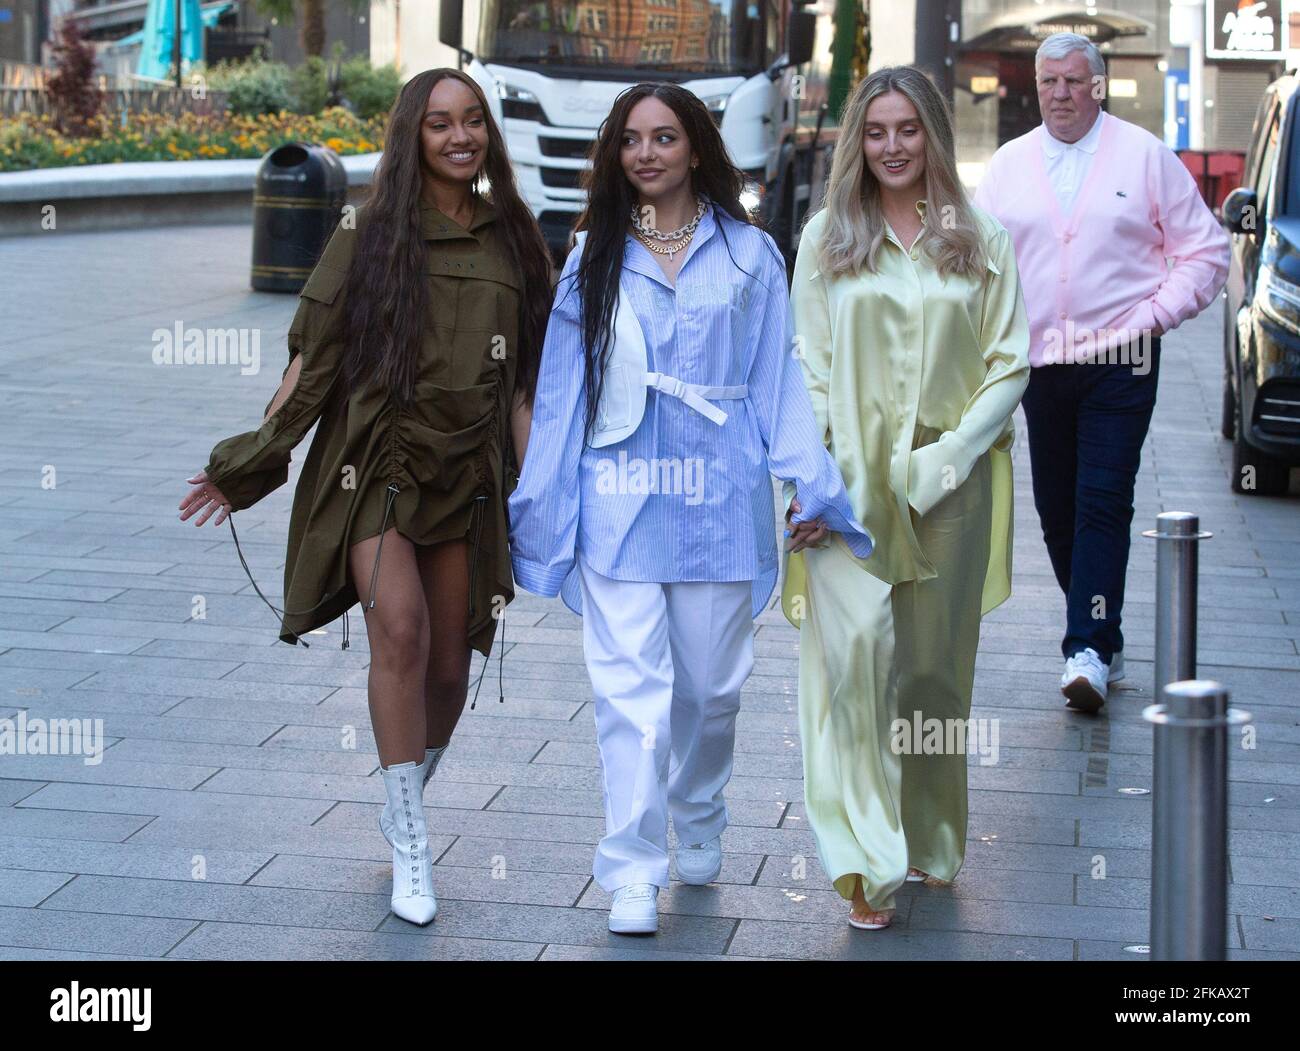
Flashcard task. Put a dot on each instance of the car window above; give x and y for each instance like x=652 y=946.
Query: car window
x=1262 y=177
x=1263 y=114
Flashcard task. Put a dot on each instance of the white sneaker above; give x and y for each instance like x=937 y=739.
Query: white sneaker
x=634 y=910
x=699 y=863
x=1116 y=667
x=1084 y=681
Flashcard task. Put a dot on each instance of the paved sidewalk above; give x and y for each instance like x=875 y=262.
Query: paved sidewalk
x=232 y=816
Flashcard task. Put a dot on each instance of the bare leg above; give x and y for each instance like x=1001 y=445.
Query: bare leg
x=444 y=570
x=398 y=627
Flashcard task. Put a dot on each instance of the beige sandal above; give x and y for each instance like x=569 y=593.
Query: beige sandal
x=872 y=919
x=875 y=921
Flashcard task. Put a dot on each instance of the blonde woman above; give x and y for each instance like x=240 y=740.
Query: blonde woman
x=914 y=346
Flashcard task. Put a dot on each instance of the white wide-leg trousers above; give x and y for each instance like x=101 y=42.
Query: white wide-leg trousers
x=667 y=662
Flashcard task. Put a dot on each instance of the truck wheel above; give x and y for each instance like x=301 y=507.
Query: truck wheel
x=1267 y=475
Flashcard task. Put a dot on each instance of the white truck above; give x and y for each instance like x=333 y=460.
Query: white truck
x=551 y=71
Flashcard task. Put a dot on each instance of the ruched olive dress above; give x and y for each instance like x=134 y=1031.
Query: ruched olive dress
x=440 y=470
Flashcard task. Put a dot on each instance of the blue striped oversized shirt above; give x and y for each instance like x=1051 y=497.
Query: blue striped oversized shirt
x=681 y=498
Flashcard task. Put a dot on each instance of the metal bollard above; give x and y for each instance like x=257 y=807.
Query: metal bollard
x=1177 y=535
x=1189 y=820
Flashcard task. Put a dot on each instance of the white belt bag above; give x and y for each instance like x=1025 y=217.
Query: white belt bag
x=623 y=393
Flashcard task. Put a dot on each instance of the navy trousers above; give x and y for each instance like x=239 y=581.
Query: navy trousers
x=1087 y=422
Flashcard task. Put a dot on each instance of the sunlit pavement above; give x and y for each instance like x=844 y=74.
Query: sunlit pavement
x=234 y=812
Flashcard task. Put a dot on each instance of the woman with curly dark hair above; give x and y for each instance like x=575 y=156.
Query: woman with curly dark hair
x=416 y=345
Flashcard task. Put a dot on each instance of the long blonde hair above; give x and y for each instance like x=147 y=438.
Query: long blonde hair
x=855 y=224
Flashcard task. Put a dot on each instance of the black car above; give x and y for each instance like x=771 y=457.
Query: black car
x=1261 y=331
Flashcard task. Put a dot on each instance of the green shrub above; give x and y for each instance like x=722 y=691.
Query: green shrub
x=370 y=90
x=309 y=86
x=253 y=86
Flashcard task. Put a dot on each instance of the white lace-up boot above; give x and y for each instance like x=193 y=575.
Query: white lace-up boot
x=427 y=768
x=413 y=898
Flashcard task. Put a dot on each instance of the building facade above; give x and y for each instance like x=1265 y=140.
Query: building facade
x=22 y=28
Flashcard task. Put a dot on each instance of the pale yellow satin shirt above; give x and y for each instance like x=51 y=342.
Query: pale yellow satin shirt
x=913 y=377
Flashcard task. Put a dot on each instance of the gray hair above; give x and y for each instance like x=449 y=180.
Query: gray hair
x=1058 y=45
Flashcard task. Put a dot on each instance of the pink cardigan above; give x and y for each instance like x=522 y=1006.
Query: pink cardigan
x=1099 y=274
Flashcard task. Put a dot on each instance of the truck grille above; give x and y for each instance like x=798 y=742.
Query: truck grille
x=1277 y=409
x=573 y=149
x=561 y=178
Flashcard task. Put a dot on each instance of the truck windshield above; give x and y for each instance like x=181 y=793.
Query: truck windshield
x=669 y=37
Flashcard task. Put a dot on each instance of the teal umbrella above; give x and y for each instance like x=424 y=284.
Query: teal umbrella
x=158 y=41
x=211 y=15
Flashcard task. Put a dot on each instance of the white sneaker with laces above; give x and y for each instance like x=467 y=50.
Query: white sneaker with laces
x=1084 y=681
x=1116 y=667
x=634 y=910
x=699 y=863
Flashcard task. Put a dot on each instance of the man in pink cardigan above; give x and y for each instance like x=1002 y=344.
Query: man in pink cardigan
x=1098 y=209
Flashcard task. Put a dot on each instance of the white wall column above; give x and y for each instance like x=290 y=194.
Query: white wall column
x=1187 y=29
x=406 y=32
x=893 y=34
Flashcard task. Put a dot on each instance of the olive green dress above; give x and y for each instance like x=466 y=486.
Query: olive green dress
x=440 y=470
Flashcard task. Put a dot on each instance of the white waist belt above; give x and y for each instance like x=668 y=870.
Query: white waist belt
x=693 y=394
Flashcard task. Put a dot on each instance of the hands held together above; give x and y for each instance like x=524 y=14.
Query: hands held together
x=804 y=534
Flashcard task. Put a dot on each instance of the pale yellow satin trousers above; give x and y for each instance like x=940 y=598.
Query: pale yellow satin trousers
x=871 y=653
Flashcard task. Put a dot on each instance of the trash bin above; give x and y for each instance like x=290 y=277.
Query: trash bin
x=297 y=201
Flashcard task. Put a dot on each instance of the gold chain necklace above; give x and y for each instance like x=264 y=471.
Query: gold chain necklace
x=668 y=244
x=665 y=249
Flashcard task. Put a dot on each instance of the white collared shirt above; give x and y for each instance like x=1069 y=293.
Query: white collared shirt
x=1068 y=162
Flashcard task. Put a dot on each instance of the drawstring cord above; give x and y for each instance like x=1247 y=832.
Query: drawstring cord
x=392 y=493
x=279 y=612
x=501 y=657
x=374 y=574
x=479 y=503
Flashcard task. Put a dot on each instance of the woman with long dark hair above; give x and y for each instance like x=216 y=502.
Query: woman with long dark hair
x=416 y=345
x=667 y=392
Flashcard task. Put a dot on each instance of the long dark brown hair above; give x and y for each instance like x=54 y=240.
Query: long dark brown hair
x=385 y=310
x=610 y=198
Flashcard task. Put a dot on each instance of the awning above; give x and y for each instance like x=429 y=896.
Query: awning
x=1025 y=28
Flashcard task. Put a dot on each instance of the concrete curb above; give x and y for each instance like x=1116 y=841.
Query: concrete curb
x=143 y=194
